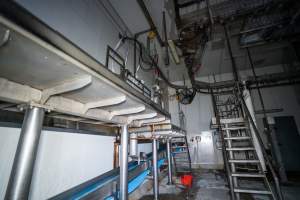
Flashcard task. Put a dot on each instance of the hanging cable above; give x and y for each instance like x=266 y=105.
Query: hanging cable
x=152 y=63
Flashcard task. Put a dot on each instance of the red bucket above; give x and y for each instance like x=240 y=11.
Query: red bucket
x=186 y=180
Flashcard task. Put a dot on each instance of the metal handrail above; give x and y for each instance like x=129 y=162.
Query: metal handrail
x=256 y=132
x=124 y=73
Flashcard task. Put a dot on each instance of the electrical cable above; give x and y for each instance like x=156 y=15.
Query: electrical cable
x=153 y=64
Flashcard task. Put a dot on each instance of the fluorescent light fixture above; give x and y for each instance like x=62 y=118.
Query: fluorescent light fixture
x=174 y=51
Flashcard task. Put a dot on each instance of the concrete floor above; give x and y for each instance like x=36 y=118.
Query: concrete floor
x=207 y=185
x=211 y=185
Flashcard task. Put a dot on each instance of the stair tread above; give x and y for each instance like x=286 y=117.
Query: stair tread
x=247 y=174
x=252 y=191
x=237 y=138
x=240 y=148
x=243 y=161
x=235 y=128
x=177 y=152
x=184 y=171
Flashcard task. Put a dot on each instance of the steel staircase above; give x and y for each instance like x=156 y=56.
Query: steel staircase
x=181 y=155
x=244 y=169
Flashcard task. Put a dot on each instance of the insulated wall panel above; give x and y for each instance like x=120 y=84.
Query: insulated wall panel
x=64 y=160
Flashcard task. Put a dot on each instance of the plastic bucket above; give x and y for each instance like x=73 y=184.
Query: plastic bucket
x=186 y=180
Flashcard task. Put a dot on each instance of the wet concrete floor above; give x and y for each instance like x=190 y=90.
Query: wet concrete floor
x=212 y=185
x=207 y=185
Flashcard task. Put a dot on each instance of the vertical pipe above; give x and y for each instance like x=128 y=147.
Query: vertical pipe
x=20 y=178
x=234 y=68
x=116 y=152
x=167 y=59
x=155 y=169
x=133 y=145
x=276 y=150
x=150 y=20
x=257 y=85
x=170 y=182
x=124 y=163
x=134 y=57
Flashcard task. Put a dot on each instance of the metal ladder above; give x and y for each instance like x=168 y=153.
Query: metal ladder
x=181 y=155
x=243 y=166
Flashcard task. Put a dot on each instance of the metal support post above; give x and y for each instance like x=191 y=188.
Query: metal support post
x=20 y=178
x=155 y=169
x=170 y=182
x=124 y=163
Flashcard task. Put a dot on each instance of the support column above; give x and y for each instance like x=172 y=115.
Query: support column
x=249 y=104
x=124 y=163
x=170 y=182
x=20 y=178
x=155 y=169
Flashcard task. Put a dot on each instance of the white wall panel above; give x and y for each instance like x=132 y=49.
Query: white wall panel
x=146 y=147
x=64 y=160
x=92 y=26
x=8 y=145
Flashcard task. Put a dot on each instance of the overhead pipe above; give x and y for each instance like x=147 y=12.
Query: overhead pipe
x=201 y=86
